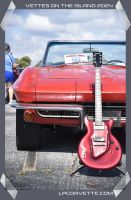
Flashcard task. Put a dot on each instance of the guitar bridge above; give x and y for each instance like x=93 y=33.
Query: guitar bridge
x=99 y=141
x=99 y=144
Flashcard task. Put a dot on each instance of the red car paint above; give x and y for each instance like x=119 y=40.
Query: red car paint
x=69 y=84
x=72 y=83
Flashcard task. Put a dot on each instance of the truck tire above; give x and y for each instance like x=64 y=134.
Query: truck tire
x=27 y=134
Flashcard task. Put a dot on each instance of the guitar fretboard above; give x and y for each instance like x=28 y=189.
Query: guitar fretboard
x=98 y=98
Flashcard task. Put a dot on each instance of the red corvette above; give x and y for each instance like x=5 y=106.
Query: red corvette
x=77 y=84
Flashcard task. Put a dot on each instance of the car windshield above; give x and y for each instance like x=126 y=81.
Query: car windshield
x=112 y=53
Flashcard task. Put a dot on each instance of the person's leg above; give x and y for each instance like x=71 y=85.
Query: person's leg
x=6 y=88
x=9 y=77
x=10 y=93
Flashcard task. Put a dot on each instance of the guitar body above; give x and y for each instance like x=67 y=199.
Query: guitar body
x=99 y=149
x=99 y=156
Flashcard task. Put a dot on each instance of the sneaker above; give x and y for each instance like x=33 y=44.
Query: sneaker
x=12 y=103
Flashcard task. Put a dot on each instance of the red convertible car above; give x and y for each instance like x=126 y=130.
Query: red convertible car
x=78 y=84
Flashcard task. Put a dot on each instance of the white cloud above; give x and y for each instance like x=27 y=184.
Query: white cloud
x=80 y=36
x=16 y=20
x=30 y=30
x=38 y=23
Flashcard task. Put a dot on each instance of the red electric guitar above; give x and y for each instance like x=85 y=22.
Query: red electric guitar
x=99 y=149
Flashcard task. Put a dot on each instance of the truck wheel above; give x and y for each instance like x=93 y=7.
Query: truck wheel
x=27 y=134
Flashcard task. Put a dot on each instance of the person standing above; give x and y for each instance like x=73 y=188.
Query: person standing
x=9 y=77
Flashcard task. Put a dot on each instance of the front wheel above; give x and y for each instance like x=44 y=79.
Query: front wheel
x=27 y=134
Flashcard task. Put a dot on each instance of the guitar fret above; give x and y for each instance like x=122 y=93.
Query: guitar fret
x=98 y=98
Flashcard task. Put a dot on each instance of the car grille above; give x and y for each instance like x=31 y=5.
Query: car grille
x=89 y=110
x=107 y=110
x=59 y=114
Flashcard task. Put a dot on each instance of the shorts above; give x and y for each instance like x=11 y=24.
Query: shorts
x=9 y=77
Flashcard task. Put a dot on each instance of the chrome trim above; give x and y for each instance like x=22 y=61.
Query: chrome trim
x=53 y=107
x=105 y=106
x=108 y=118
x=76 y=117
x=58 y=116
x=62 y=107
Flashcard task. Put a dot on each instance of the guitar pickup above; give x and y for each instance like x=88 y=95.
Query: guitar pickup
x=99 y=139
x=99 y=127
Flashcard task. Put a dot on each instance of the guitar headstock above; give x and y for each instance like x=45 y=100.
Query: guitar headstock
x=97 y=59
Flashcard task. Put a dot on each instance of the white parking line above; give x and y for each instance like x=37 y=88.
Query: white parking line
x=30 y=162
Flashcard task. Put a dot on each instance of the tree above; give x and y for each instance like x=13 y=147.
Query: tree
x=24 y=61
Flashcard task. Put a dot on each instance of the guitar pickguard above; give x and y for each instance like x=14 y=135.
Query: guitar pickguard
x=99 y=140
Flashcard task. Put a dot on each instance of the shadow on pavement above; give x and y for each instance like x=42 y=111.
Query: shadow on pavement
x=97 y=173
x=67 y=139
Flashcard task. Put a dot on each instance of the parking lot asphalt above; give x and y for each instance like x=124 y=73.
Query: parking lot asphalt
x=56 y=166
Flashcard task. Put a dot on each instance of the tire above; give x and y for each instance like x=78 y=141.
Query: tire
x=27 y=134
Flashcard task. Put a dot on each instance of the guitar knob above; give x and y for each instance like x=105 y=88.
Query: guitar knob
x=117 y=148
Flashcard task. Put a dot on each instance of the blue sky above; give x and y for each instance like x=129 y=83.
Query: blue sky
x=29 y=30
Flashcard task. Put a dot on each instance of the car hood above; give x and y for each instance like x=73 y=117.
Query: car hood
x=71 y=83
x=86 y=72
x=70 y=72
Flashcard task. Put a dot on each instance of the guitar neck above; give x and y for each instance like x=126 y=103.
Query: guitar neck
x=98 y=98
